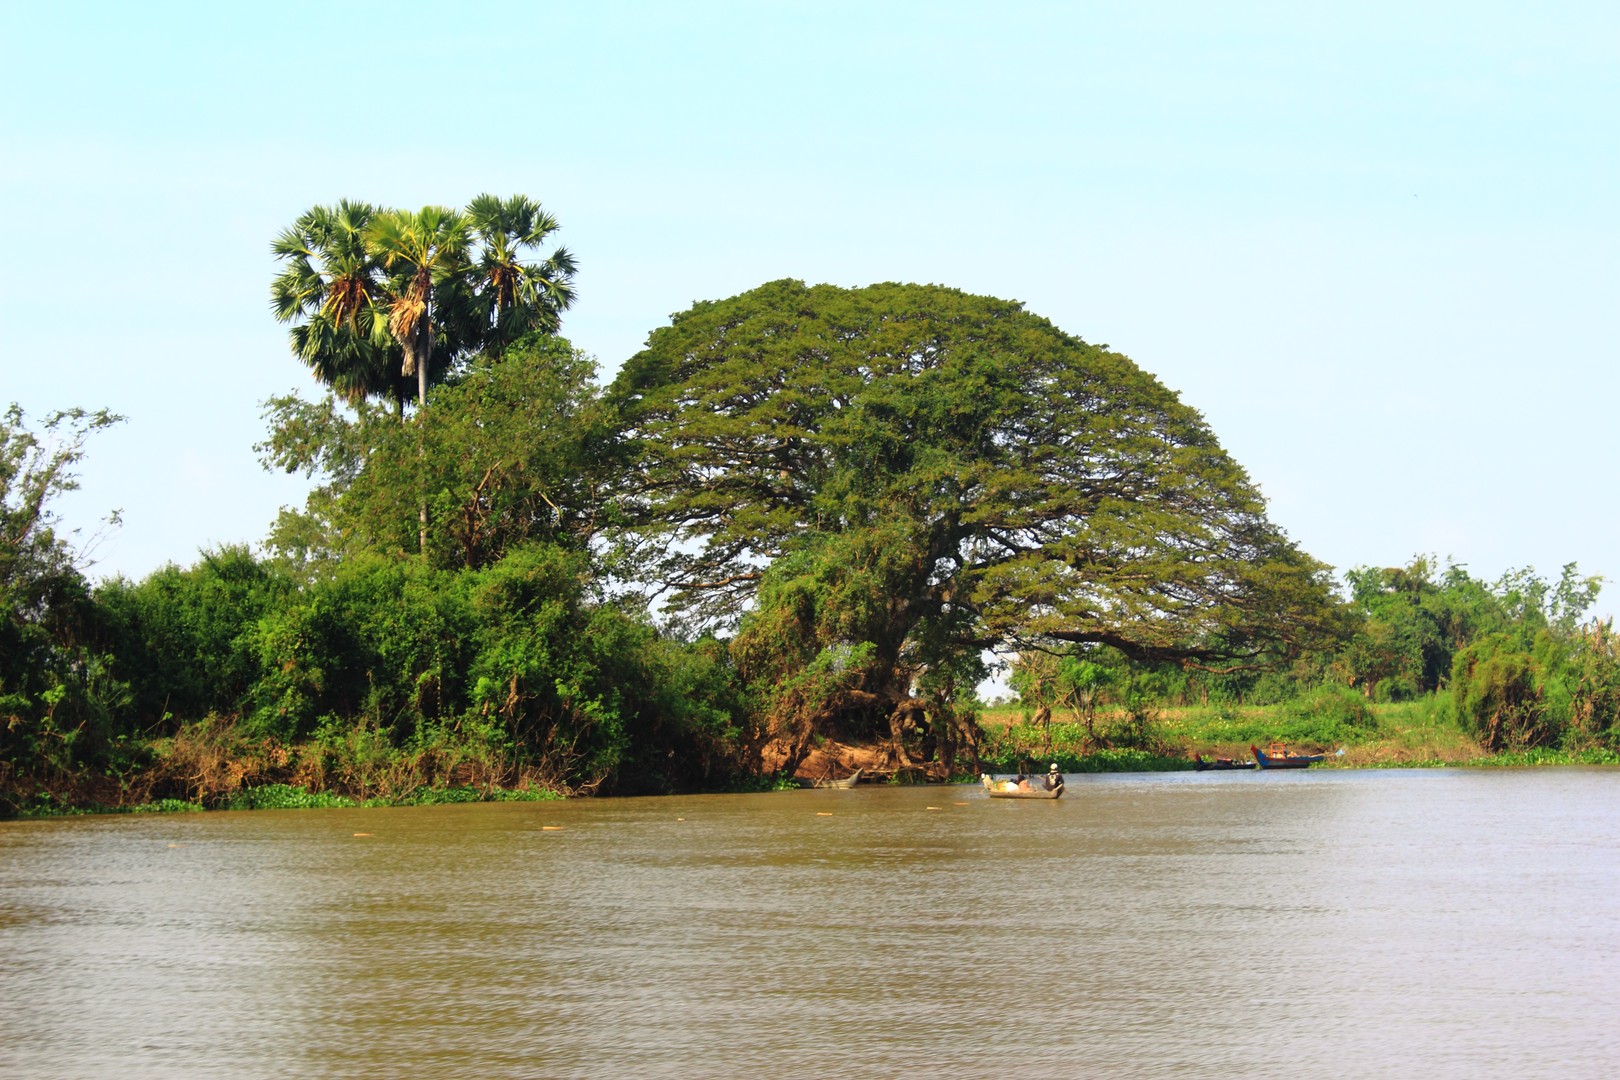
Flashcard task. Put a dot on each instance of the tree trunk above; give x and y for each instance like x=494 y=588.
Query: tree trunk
x=422 y=347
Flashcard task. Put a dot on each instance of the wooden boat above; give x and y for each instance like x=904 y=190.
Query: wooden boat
x=847 y=782
x=1204 y=764
x=998 y=790
x=1277 y=757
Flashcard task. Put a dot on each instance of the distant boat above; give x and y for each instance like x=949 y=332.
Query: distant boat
x=847 y=782
x=1277 y=757
x=1204 y=764
x=998 y=789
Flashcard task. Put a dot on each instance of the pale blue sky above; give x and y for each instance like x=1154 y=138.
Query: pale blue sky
x=1375 y=244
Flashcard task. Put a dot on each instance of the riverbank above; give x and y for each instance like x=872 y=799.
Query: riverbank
x=1417 y=734
x=208 y=769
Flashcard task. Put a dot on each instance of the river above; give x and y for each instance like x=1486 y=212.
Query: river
x=1445 y=923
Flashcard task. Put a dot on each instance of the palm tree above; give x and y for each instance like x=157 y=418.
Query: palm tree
x=328 y=291
x=508 y=297
x=419 y=250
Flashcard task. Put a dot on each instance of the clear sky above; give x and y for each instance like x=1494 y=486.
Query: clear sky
x=1375 y=243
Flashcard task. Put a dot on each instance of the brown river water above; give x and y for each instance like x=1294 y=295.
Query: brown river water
x=1336 y=924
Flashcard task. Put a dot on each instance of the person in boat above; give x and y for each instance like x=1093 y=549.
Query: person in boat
x=1054 y=778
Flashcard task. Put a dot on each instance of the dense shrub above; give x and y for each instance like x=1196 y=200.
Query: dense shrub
x=182 y=639
x=1333 y=706
x=1499 y=697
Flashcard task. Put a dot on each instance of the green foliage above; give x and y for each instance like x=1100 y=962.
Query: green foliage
x=807 y=645
x=57 y=696
x=1512 y=759
x=284 y=797
x=520 y=449
x=950 y=473
x=382 y=302
x=446 y=795
x=1334 y=707
x=377 y=637
x=1591 y=677
x=1414 y=620
x=1499 y=695
x=167 y=806
x=1011 y=755
x=183 y=640
x=542 y=654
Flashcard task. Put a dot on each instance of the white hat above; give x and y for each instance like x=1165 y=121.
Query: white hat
x=1054 y=766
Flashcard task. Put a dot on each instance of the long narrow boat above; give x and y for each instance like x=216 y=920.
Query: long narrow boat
x=1278 y=757
x=997 y=789
x=1204 y=764
x=847 y=782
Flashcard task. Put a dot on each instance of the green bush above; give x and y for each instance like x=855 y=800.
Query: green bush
x=1333 y=708
x=183 y=639
x=1498 y=695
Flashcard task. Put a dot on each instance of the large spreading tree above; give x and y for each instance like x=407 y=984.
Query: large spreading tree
x=874 y=486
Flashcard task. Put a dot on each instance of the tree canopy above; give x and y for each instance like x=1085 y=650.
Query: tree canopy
x=381 y=300
x=519 y=449
x=898 y=477
x=50 y=684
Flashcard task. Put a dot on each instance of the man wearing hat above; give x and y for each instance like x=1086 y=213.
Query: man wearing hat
x=1054 y=779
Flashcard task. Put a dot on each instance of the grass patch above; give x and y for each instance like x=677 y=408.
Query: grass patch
x=1410 y=734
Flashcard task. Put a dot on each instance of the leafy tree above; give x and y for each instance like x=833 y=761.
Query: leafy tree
x=900 y=476
x=1592 y=679
x=375 y=641
x=56 y=696
x=1410 y=626
x=319 y=439
x=520 y=450
x=1414 y=620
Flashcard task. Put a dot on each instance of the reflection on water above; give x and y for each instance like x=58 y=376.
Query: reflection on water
x=1450 y=924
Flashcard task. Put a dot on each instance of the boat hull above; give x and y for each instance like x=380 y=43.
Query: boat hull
x=1284 y=760
x=1203 y=764
x=996 y=791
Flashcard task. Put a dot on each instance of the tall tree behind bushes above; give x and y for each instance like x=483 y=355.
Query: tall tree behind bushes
x=1412 y=621
x=520 y=449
